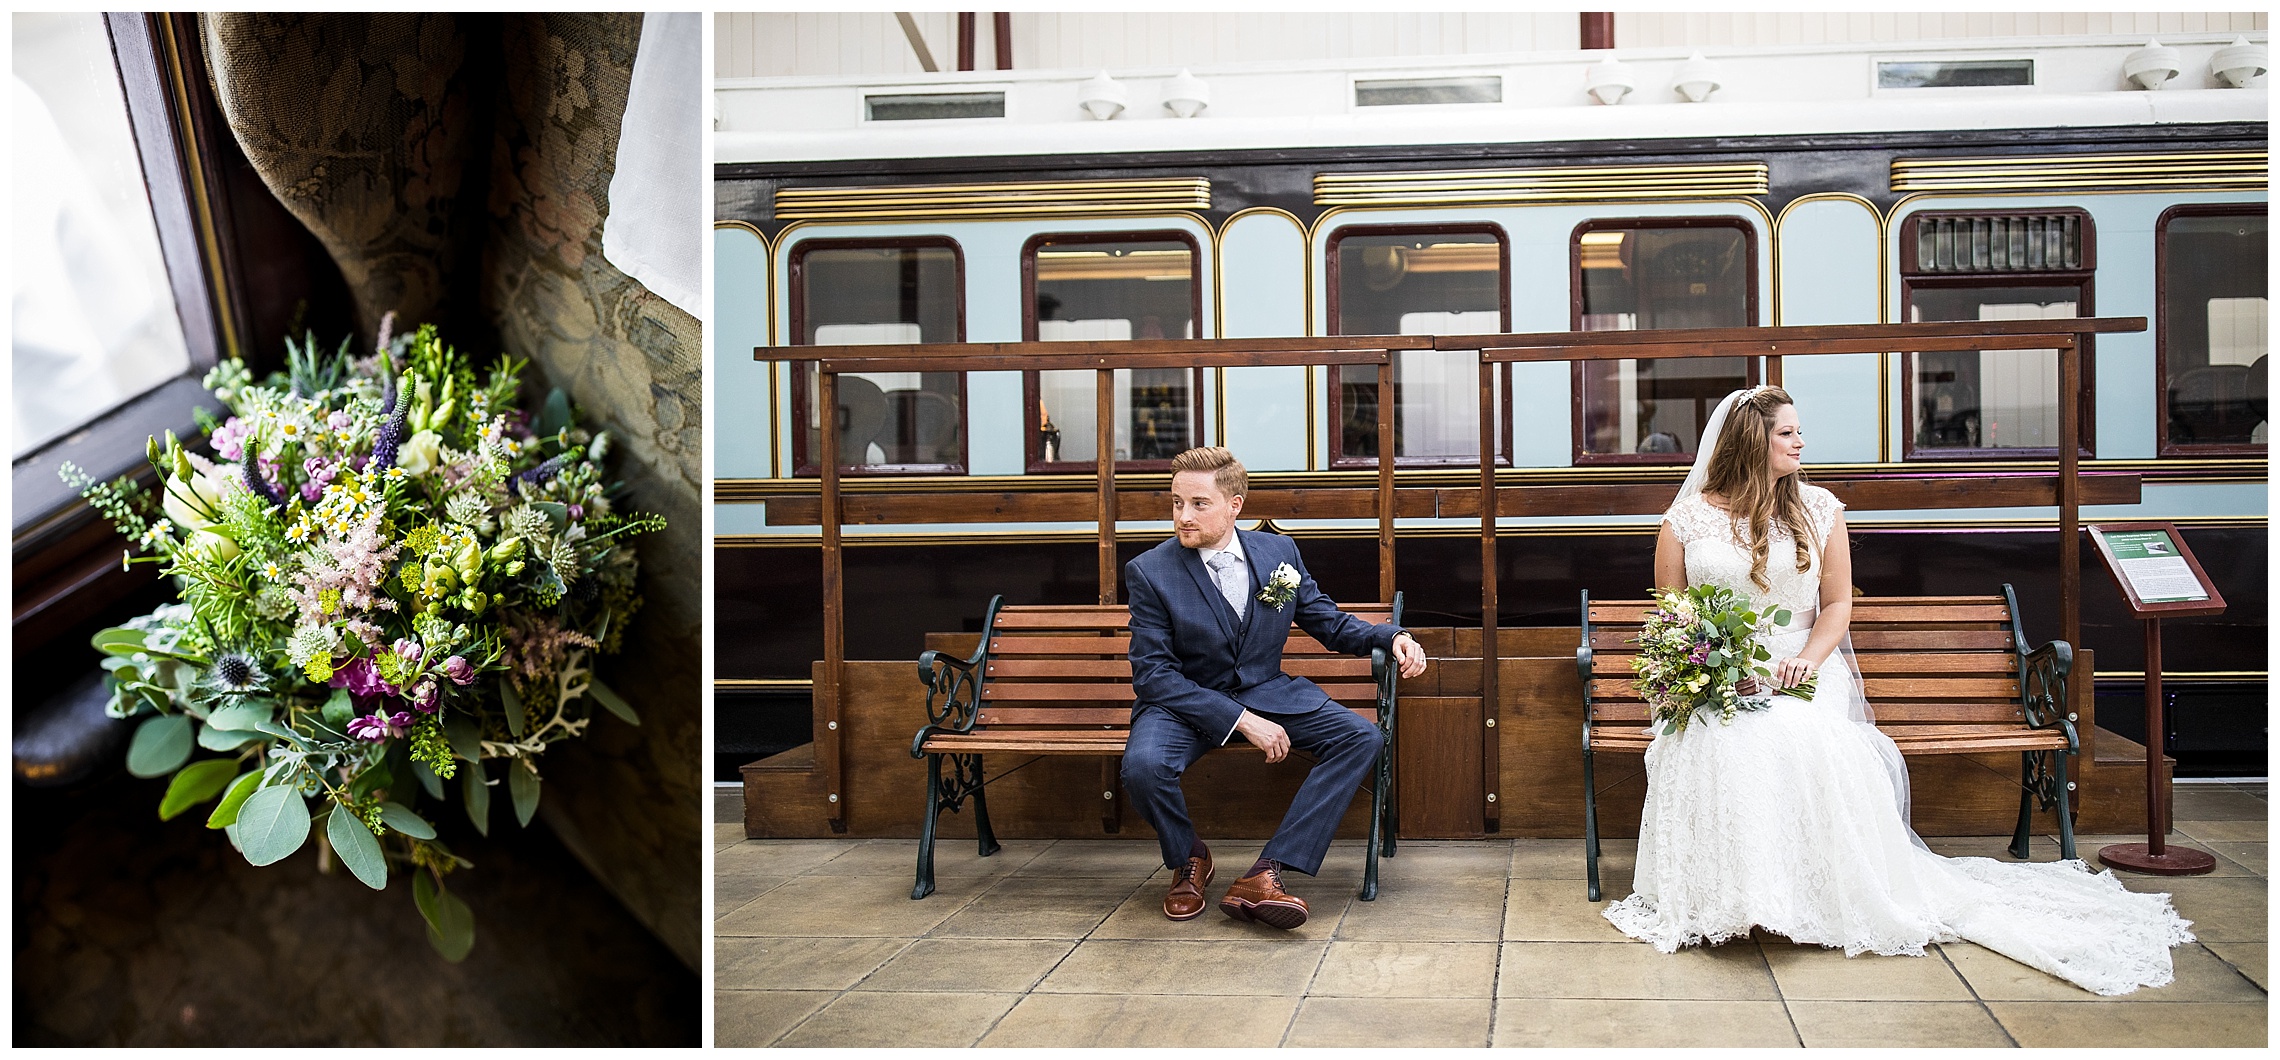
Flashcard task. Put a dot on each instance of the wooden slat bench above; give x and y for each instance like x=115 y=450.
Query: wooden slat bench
x=1057 y=680
x=1944 y=675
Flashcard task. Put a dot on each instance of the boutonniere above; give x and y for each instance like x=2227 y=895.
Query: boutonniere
x=1281 y=586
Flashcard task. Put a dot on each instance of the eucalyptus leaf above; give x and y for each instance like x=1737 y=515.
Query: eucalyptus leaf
x=512 y=703
x=611 y=701
x=451 y=925
x=478 y=797
x=522 y=785
x=119 y=640
x=226 y=813
x=274 y=729
x=339 y=709
x=400 y=817
x=241 y=716
x=358 y=848
x=429 y=782
x=555 y=415
x=378 y=777
x=214 y=739
x=196 y=783
x=160 y=746
x=466 y=741
x=272 y=824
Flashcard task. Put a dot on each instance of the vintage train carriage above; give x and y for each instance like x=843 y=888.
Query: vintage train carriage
x=1353 y=201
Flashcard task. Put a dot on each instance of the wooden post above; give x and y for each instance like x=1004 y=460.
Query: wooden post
x=826 y=701
x=1002 y=23
x=2070 y=491
x=1773 y=370
x=1385 y=478
x=966 y=40
x=1491 y=769
x=1104 y=460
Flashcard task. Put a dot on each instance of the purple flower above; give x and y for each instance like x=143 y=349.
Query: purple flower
x=391 y=434
x=577 y=511
x=380 y=725
x=408 y=650
x=538 y=475
x=259 y=484
x=321 y=473
x=424 y=695
x=340 y=420
x=362 y=679
x=229 y=438
x=461 y=672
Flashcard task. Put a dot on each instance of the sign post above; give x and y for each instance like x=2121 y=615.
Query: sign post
x=2158 y=578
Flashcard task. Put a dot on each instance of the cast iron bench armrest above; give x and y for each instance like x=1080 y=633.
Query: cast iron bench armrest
x=958 y=682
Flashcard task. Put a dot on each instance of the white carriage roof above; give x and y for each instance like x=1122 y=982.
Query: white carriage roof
x=1763 y=91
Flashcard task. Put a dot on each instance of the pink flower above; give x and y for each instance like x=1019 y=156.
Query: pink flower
x=424 y=695
x=361 y=678
x=229 y=439
x=340 y=420
x=461 y=672
x=577 y=511
x=408 y=650
x=321 y=473
x=380 y=725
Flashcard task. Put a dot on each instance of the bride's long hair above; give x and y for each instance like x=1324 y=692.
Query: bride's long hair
x=1740 y=474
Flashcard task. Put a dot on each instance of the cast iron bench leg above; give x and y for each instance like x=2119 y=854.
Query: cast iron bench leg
x=2019 y=837
x=2065 y=808
x=1377 y=828
x=925 y=884
x=1590 y=827
x=985 y=839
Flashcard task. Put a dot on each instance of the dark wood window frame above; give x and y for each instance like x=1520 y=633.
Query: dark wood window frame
x=2164 y=446
x=1752 y=366
x=803 y=462
x=2082 y=278
x=1336 y=436
x=1032 y=425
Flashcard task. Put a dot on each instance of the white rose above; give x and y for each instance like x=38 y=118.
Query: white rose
x=187 y=514
x=417 y=456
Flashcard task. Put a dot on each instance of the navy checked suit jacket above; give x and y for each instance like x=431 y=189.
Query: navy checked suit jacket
x=1188 y=658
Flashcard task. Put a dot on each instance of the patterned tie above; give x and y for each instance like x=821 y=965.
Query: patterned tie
x=1227 y=571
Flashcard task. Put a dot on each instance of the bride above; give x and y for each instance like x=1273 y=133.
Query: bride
x=1794 y=818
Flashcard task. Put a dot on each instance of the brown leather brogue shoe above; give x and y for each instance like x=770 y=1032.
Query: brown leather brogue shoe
x=1261 y=897
x=1185 y=900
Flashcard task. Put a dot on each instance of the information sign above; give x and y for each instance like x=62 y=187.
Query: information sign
x=2154 y=570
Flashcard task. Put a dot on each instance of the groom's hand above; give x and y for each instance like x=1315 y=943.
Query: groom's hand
x=1409 y=654
x=1264 y=735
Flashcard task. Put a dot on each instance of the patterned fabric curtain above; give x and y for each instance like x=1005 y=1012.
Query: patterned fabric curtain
x=449 y=161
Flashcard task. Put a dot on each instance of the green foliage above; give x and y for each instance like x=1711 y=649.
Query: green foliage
x=522 y=786
x=451 y=925
x=432 y=750
x=225 y=814
x=478 y=797
x=358 y=848
x=196 y=783
x=612 y=702
x=395 y=815
x=160 y=746
x=271 y=824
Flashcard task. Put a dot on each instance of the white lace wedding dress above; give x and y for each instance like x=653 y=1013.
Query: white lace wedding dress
x=1793 y=819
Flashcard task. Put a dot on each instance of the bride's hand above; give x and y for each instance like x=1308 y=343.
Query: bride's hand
x=1791 y=672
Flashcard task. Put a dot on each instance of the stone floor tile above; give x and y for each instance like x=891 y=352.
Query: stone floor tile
x=2200 y=976
x=1735 y=971
x=1408 y=969
x=1893 y=1022
x=1141 y=916
x=2209 y=802
x=2250 y=856
x=778 y=857
x=1031 y=907
x=1420 y=859
x=1431 y=909
x=728 y=805
x=2243 y=831
x=1391 y=1022
x=1555 y=859
x=952 y=857
x=1146 y=966
x=836 y=906
x=1096 y=857
x=727 y=834
x=731 y=893
x=798 y=963
x=1558 y=911
x=1135 y=1021
x=1529 y=1022
x=2039 y=847
x=991 y=966
x=2041 y=1024
x=2221 y=909
x=1815 y=973
x=744 y=1018
x=2251 y=959
x=885 y=1021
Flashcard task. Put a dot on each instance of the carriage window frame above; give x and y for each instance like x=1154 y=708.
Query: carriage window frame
x=804 y=464
x=1032 y=384
x=1754 y=367
x=2081 y=277
x=1503 y=406
x=2165 y=447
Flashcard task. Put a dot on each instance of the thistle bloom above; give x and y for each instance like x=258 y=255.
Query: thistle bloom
x=380 y=725
x=236 y=673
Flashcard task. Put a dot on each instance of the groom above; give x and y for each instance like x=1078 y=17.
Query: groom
x=1207 y=638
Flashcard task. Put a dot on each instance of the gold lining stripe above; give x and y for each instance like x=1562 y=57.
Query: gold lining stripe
x=758 y=684
x=1546 y=184
x=1026 y=198
x=2230 y=169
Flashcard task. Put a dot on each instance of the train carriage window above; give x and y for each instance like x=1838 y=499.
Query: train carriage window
x=2213 y=308
x=872 y=292
x=1992 y=267
x=1658 y=273
x=1406 y=280
x=1112 y=285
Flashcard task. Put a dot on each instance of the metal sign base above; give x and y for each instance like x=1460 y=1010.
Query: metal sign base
x=2171 y=861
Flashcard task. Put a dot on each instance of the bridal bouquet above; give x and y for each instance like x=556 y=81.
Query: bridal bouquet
x=391 y=577
x=1696 y=647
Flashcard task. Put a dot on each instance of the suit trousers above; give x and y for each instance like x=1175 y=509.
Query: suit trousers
x=1345 y=749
